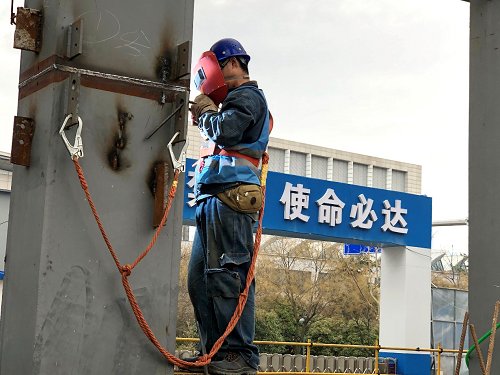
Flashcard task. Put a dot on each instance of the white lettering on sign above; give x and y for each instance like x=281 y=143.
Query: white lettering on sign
x=330 y=208
x=397 y=224
x=360 y=213
x=295 y=200
x=190 y=184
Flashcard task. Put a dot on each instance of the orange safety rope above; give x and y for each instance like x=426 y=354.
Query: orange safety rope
x=126 y=270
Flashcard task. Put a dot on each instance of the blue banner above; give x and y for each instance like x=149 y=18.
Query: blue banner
x=310 y=208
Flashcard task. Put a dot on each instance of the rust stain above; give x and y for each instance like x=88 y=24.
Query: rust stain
x=160 y=173
x=126 y=88
x=22 y=137
x=42 y=82
x=37 y=68
x=28 y=34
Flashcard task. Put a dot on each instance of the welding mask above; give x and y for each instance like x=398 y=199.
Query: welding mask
x=208 y=77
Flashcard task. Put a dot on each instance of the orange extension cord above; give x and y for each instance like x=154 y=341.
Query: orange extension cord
x=126 y=270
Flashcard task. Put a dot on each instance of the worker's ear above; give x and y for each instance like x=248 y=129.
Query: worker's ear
x=234 y=62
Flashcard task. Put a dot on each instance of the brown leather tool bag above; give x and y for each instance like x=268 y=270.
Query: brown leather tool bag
x=243 y=198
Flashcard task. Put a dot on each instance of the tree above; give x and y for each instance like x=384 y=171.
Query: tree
x=186 y=323
x=312 y=281
x=450 y=270
x=334 y=330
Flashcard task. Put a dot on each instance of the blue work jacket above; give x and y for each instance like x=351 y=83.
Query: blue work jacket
x=241 y=126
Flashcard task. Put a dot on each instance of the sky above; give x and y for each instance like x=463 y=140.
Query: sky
x=385 y=78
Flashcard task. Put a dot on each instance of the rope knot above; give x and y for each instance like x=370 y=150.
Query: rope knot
x=126 y=270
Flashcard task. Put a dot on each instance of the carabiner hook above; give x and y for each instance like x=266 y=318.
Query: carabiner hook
x=178 y=164
x=76 y=150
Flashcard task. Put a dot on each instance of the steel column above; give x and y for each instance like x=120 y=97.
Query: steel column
x=121 y=66
x=484 y=167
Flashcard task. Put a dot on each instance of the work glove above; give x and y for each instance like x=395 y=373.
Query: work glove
x=200 y=105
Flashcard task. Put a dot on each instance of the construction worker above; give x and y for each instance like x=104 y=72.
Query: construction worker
x=228 y=196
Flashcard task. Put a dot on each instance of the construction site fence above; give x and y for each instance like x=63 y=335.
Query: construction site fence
x=307 y=363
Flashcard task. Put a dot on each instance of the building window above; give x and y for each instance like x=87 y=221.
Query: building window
x=319 y=167
x=298 y=163
x=448 y=310
x=360 y=174
x=379 y=178
x=398 y=180
x=340 y=170
x=185 y=233
x=276 y=159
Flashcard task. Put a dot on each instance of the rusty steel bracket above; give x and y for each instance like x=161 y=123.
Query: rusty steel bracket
x=22 y=138
x=160 y=191
x=28 y=34
x=75 y=39
x=183 y=61
x=73 y=98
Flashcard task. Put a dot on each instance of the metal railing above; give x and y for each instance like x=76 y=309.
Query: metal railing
x=309 y=345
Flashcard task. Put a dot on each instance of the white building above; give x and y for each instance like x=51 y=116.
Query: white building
x=333 y=165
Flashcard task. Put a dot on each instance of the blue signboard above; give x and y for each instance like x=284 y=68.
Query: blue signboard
x=357 y=249
x=310 y=208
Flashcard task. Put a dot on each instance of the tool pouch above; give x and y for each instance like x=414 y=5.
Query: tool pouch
x=244 y=198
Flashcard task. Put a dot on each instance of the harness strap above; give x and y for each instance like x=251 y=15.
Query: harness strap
x=237 y=154
x=212 y=149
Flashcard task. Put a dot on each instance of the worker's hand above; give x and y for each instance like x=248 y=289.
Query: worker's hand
x=202 y=104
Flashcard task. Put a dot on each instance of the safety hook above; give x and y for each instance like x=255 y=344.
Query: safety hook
x=76 y=150
x=178 y=164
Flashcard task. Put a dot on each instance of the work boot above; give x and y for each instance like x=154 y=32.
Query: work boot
x=196 y=369
x=232 y=364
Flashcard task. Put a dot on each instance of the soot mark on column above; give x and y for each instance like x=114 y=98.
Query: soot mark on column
x=119 y=141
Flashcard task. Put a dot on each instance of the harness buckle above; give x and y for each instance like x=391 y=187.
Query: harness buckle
x=178 y=164
x=76 y=150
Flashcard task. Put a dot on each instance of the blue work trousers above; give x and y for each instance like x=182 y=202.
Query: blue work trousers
x=220 y=259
